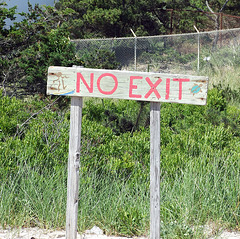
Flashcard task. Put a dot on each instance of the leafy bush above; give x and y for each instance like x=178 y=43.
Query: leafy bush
x=109 y=145
x=196 y=147
x=11 y=116
x=121 y=116
x=101 y=59
x=29 y=47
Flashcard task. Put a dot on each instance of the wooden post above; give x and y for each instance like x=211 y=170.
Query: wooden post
x=73 y=167
x=155 y=170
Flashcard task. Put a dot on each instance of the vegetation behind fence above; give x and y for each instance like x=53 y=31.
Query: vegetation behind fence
x=185 y=53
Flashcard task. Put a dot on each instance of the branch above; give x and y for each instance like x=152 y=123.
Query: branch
x=216 y=16
x=210 y=9
x=34 y=114
x=201 y=10
x=224 y=5
x=6 y=75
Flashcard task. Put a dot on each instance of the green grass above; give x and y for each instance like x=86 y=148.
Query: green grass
x=197 y=196
x=200 y=165
x=31 y=199
x=202 y=195
x=227 y=77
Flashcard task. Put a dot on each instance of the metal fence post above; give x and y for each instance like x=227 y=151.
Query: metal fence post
x=135 y=49
x=198 y=62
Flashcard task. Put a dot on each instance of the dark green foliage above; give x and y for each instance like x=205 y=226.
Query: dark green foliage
x=115 y=18
x=11 y=116
x=121 y=116
x=110 y=141
x=216 y=100
x=102 y=59
x=229 y=94
x=42 y=38
x=29 y=47
x=5 y=14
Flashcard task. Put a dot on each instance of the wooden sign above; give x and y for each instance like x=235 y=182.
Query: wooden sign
x=144 y=86
x=155 y=87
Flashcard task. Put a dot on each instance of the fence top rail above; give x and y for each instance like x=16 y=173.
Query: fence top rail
x=156 y=36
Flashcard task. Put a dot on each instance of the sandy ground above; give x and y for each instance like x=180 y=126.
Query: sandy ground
x=36 y=233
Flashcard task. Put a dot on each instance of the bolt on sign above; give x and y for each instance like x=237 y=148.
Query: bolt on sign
x=78 y=82
x=145 y=86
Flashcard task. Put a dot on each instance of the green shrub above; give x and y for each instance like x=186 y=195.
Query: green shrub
x=119 y=115
x=11 y=116
x=216 y=100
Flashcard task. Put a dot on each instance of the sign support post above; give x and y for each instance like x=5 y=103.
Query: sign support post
x=155 y=170
x=73 y=167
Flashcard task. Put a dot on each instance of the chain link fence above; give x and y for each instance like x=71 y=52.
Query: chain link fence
x=183 y=53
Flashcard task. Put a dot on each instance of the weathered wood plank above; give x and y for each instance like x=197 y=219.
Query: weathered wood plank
x=73 y=167
x=144 y=86
x=155 y=171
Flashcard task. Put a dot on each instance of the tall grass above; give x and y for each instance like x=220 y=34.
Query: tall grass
x=197 y=196
x=29 y=198
x=32 y=199
x=223 y=67
x=201 y=195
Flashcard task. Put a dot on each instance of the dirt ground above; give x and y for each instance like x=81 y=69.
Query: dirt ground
x=36 y=233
